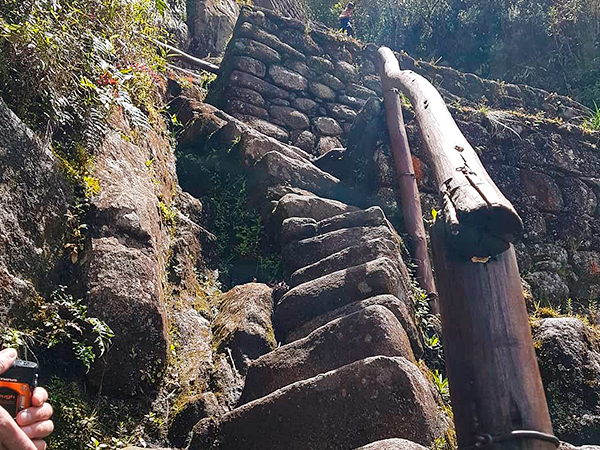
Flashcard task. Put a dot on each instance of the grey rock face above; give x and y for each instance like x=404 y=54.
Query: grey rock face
x=287 y=79
x=569 y=356
x=297 y=228
x=197 y=408
x=371 y=331
x=304 y=104
x=295 y=418
x=254 y=145
x=320 y=65
x=345 y=71
x=320 y=296
x=328 y=143
x=254 y=49
x=321 y=91
x=548 y=285
x=33 y=213
x=304 y=139
x=251 y=82
x=211 y=24
x=264 y=127
x=244 y=323
x=250 y=65
x=123 y=270
x=289 y=117
x=277 y=169
x=341 y=112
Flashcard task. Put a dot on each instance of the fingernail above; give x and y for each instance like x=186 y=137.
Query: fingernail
x=9 y=353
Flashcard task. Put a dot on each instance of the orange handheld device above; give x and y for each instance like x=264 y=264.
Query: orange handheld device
x=17 y=385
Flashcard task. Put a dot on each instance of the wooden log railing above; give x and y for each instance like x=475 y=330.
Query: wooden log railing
x=482 y=222
x=495 y=384
x=409 y=192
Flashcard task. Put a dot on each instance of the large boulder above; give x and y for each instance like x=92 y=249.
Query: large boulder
x=311 y=206
x=244 y=323
x=569 y=357
x=127 y=258
x=33 y=214
x=211 y=24
x=372 y=399
x=371 y=331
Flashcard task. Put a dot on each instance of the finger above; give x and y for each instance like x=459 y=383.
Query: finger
x=39 y=445
x=39 y=429
x=7 y=357
x=11 y=436
x=40 y=395
x=34 y=414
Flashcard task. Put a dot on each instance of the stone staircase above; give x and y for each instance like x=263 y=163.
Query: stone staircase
x=346 y=375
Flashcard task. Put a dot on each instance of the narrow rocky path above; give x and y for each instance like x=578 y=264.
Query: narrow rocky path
x=346 y=373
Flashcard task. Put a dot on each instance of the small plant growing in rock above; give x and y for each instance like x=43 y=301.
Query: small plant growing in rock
x=592 y=123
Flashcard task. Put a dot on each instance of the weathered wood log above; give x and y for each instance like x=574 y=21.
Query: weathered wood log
x=409 y=192
x=200 y=63
x=482 y=222
x=495 y=383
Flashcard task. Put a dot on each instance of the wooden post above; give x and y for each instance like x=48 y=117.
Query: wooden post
x=409 y=192
x=495 y=383
x=482 y=222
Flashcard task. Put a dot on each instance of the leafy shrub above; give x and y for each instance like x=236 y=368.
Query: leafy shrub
x=217 y=179
x=58 y=321
x=63 y=63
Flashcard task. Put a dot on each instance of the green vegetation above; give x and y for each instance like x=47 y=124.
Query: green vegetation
x=430 y=327
x=60 y=320
x=81 y=421
x=592 y=123
x=551 y=44
x=243 y=250
x=65 y=64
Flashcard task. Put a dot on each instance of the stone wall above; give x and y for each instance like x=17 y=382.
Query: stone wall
x=290 y=82
x=303 y=84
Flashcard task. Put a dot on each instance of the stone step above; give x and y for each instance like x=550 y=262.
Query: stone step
x=400 y=306
x=290 y=231
x=393 y=444
x=299 y=254
x=275 y=168
x=369 y=400
x=348 y=257
x=371 y=331
x=314 y=207
x=311 y=299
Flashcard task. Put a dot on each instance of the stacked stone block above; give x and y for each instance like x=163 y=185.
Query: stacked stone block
x=297 y=85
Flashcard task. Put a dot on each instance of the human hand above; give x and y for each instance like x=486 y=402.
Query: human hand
x=32 y=424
